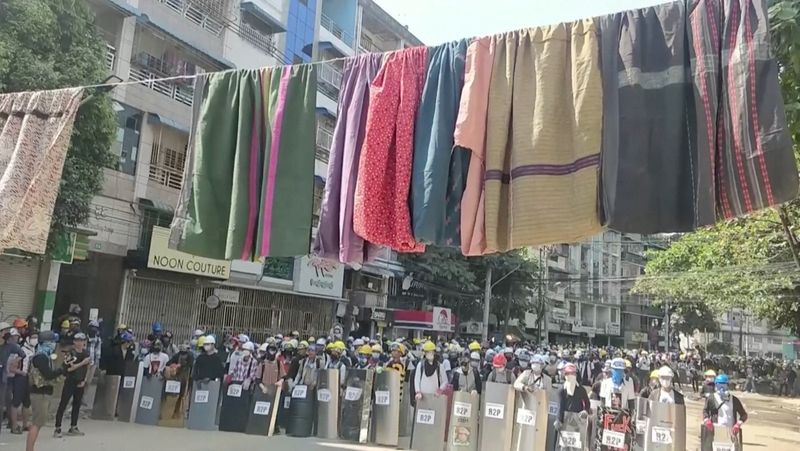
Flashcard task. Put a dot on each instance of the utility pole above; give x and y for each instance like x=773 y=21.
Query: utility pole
x=666 y=322
x=487 y=298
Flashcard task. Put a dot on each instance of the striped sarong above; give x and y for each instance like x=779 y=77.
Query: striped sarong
x=543 y=137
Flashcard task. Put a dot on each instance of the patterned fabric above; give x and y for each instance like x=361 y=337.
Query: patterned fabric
x=432 y=219
x=382 y=213
x=470 y=137
x=739 y=112
x=336 y=239
x=542 y=160
x=35 y=130
x=245 y=166
x=245 y=370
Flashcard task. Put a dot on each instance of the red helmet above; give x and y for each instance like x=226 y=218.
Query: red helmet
x=570 y=368
x=499 y=361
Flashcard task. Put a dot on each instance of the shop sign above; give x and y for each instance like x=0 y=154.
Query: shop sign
x=320 y=276
x=560 y=313
x=162 y=257
x=442 y=319
x=224 y=295
x=378 y=315
x=638 y=337
x=612 y=328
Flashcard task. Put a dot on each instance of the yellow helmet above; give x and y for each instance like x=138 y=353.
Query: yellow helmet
x=65 y=324
x=654 y=374
x=416 y=341
x=710 y=373
x=330 y=346
x=201 y=341
x=474 y=346
x=627 y=363
x=365 y=350
x=303 y=345
x=377 y=348
x=428 y=346
x=339 y=346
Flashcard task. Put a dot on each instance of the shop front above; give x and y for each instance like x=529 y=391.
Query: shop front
x=437 y=322
x=18 y=277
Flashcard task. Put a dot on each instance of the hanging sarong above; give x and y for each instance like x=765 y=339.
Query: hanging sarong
x=739 y=110
x=336 y=239
x=542 y=159
x=433 y=183
x=249 y=190
x=382 y=213
x=648 y=164
x=35 y=131
x=470 y=137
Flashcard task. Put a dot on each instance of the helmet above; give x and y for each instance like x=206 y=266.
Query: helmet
x=20 y=323
x=302 y=345
x=627 y=363
x=710 y=373
x=94 y=323
x=200 y=342
x=524 y=356
x=321 y=342
x=210 y=340
x=157 y=327
x=617 y=364
x=721 y=379
x=474 y=346
x=538 y=358
x=358 y=342
x=65 y=324
x=289 y=345
x=377 y=348
x=339 y=345
x=243 y=338
x=665 y=371
x=196 y=333
x=475 y=356
x=428 y=347
x=47 y=336
x=263 y=347
x=654 y=374
x=499 y=361
x=248 y=346
x=365 y=350
x=508 y=350
x=570 y=368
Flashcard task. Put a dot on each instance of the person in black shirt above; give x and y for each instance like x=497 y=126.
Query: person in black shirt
x=41 y=374
x=572 y=396
x=208 y=365
x=77 y=363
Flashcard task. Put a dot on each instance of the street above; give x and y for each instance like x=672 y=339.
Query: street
x=774 y=425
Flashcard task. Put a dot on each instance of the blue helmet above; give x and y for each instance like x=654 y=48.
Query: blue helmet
x=157 y=327
x=721 y=379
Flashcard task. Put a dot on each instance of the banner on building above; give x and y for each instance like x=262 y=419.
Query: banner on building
x=319 y=276
x=162 y=257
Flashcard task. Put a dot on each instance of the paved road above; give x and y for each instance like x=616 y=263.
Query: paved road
x=774 y=426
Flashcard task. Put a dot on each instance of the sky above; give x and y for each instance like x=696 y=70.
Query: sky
x=438 y=21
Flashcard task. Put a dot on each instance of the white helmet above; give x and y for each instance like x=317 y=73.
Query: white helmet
x=475 y=356
x=248 y=346
x=665 y=371
x=243 y=338
x=263 y=347
x=358 y=342
x=210 y=340
x=197 y=333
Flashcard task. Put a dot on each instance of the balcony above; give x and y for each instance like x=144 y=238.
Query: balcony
x=111 y=56
x=166 y=166
x=206 y=14
x=330 y=79
x=324 y=143
x=328 y=24
x=149 y=69
x=367 y=46
x=263 y=42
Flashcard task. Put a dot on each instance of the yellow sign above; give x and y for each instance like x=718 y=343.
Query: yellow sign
x=162 y=257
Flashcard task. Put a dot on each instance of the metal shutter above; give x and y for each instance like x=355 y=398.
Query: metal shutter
x=17 y=286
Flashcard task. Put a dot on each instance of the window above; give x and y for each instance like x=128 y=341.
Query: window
x=776 y=341
x=573 y=308
x=755 y=339
x=614 y=315
x=727 y=337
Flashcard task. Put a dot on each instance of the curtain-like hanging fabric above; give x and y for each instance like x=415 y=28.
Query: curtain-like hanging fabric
x=438 y=173
x=336 y=239
x=382 y=215
x=739 y=110
x=544 y=137
x=249 y=190
x=35 y=130
x=649 y=168
x=470 y=137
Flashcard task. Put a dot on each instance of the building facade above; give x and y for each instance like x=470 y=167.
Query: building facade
x=128 y=275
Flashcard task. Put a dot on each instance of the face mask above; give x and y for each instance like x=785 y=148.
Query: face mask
x=474 y=363
x=429 y=356
x=92 y=333
x=501 y=370
x=376 y=356
x=208 y=348
x=665 y=382
x=654 y=384
x=362 y=360
x=723 y=391
x=246 y=355
x=571 y=378
x=617 y=376
x=33 y=342
x=536 y=368
x=144 y=351
x=523 y=364
x=272 y=351
x=552 y=359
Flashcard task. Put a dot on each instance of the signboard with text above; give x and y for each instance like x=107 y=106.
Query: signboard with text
x=162 y=257
x=442 y=319
x=319 y=276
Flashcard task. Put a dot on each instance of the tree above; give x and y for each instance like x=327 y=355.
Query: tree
x=49 y=44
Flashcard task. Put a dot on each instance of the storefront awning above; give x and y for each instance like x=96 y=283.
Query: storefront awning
x=153 y=118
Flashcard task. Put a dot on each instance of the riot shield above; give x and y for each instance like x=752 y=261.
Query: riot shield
x=302 y=412
x=203 y=407
x=263 y=410
x=640 y=426
x=720 y=439
x=173 y=403
x=126 y=403
x=464 y=422
x=429 y=423
x=574 y=433
x=105 y=398
x=530 y=421
x=552 y=416
x=235 y=409
x=357 y=405
x=595 y=405
x=406 y=411
x=386 y=411
x=328 y=404
x=613 y=429
x=150 y=401
x=497 y=416
x=666 y=427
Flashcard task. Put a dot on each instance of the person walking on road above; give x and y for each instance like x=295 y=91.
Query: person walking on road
x=41 y=376
x=78 y=363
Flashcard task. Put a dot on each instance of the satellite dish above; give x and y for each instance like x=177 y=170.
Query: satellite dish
x=212 y=302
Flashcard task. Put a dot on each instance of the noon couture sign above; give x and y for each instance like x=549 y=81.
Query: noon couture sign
x=162 y=257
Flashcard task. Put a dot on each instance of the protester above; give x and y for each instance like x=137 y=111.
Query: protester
x=19 y=365
x=500 y=373
x=533 y=378
x=665 y=391
x=77 y=364
x=156 y=361
x=41 y=375
x=572 y=397
x=723 y=409
x=208 y=366
x=430 y=378
x=615 y=392
x=466 y=377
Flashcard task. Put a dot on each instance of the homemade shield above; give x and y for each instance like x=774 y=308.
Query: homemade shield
x=235 y=410
x=149 y=406
x=386 y=409
x=574 y=433
x=429 y=423
x=552 y=415
x=666 y=427
x=173 y=403
x=530 y=421
x=720 y=439
x=613 y=429
x=328 y=404
x=263 y=410
x=497 y=416
x=105 y=398
x=203 y=406
x=406 y=411
x=127 y=392
x=464 y=416
x=356 y=405
x=302 y=411
x=640 y=425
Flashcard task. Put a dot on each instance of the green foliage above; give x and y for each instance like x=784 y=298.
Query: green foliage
x=49 y=44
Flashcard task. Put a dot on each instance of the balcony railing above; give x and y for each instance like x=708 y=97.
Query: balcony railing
x=111 y=56
x=263 y=42
x=336 y=30
x=179 y=92
x=199 y=13
x=330 y=80
x=324 y=143
x=367 y=46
